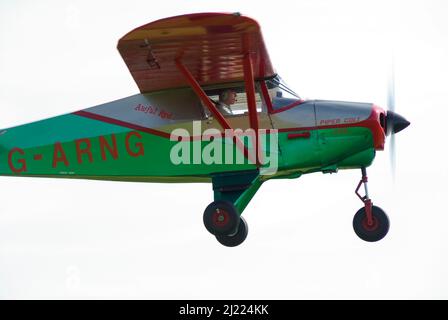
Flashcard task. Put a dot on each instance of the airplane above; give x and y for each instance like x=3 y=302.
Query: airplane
x=174 y=132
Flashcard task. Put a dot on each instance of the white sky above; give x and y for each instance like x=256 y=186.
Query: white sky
x=94 y=239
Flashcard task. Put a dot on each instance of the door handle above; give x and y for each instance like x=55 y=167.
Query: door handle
x=303 y=135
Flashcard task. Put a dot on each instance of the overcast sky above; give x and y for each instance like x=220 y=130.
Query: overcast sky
x=95 y=239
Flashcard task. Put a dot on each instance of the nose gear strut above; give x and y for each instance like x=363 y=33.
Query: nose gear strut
x=370 y=222
x=366 y=200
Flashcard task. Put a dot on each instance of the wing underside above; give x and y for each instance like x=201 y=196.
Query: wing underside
x=211 y=45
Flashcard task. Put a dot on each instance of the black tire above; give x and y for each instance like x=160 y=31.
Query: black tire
x=237 y=238
x=375 y=232
x=221 y=218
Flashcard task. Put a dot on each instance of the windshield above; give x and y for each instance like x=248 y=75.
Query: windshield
x=281 y=95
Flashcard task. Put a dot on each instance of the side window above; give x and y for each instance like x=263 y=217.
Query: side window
x=233 y=101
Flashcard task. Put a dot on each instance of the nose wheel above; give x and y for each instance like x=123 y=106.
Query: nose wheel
x=370 y=222
x=375 y=231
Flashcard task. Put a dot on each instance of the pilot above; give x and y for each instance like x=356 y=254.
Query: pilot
x=226 y=99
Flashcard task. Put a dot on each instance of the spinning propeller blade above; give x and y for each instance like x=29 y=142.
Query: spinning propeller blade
x=391 y=108
x=394 y=122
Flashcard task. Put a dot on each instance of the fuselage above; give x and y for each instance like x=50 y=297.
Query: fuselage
x=165 y=136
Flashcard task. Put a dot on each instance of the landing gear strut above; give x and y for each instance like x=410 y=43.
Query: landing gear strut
x=370 y=222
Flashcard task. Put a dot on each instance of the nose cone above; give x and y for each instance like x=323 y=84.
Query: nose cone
x=395 y=122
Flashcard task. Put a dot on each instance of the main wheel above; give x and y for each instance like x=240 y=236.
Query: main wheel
x=221 y=218
x=237 y=238
x=377 y=230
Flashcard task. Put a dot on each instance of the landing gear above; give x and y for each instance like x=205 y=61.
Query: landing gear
x=237 y=238
x=221 y=219
x=370 y=222
x=375 y=231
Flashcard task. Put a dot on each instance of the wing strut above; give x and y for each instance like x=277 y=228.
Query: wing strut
x=252 y=107
x=250 y=92
x=202 y=95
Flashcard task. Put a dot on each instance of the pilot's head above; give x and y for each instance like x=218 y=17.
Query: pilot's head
x=228 y=96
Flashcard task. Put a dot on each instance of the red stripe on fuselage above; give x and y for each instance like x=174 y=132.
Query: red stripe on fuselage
x=125 y=124
x=287 y=107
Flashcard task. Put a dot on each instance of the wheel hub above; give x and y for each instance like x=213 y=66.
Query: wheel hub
x=220 y=218
x=371 y=227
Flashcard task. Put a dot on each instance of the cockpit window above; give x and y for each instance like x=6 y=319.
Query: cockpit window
x=232 y=101
x=281 y=95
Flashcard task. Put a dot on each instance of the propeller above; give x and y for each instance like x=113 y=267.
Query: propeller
x=390 y=113
x=394 y=122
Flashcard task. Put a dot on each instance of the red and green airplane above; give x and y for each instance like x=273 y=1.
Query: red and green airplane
x=174 y=130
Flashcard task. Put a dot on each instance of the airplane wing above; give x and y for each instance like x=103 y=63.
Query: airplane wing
x=210 y=45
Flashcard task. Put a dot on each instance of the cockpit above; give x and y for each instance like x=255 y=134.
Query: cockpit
x=271 y=95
